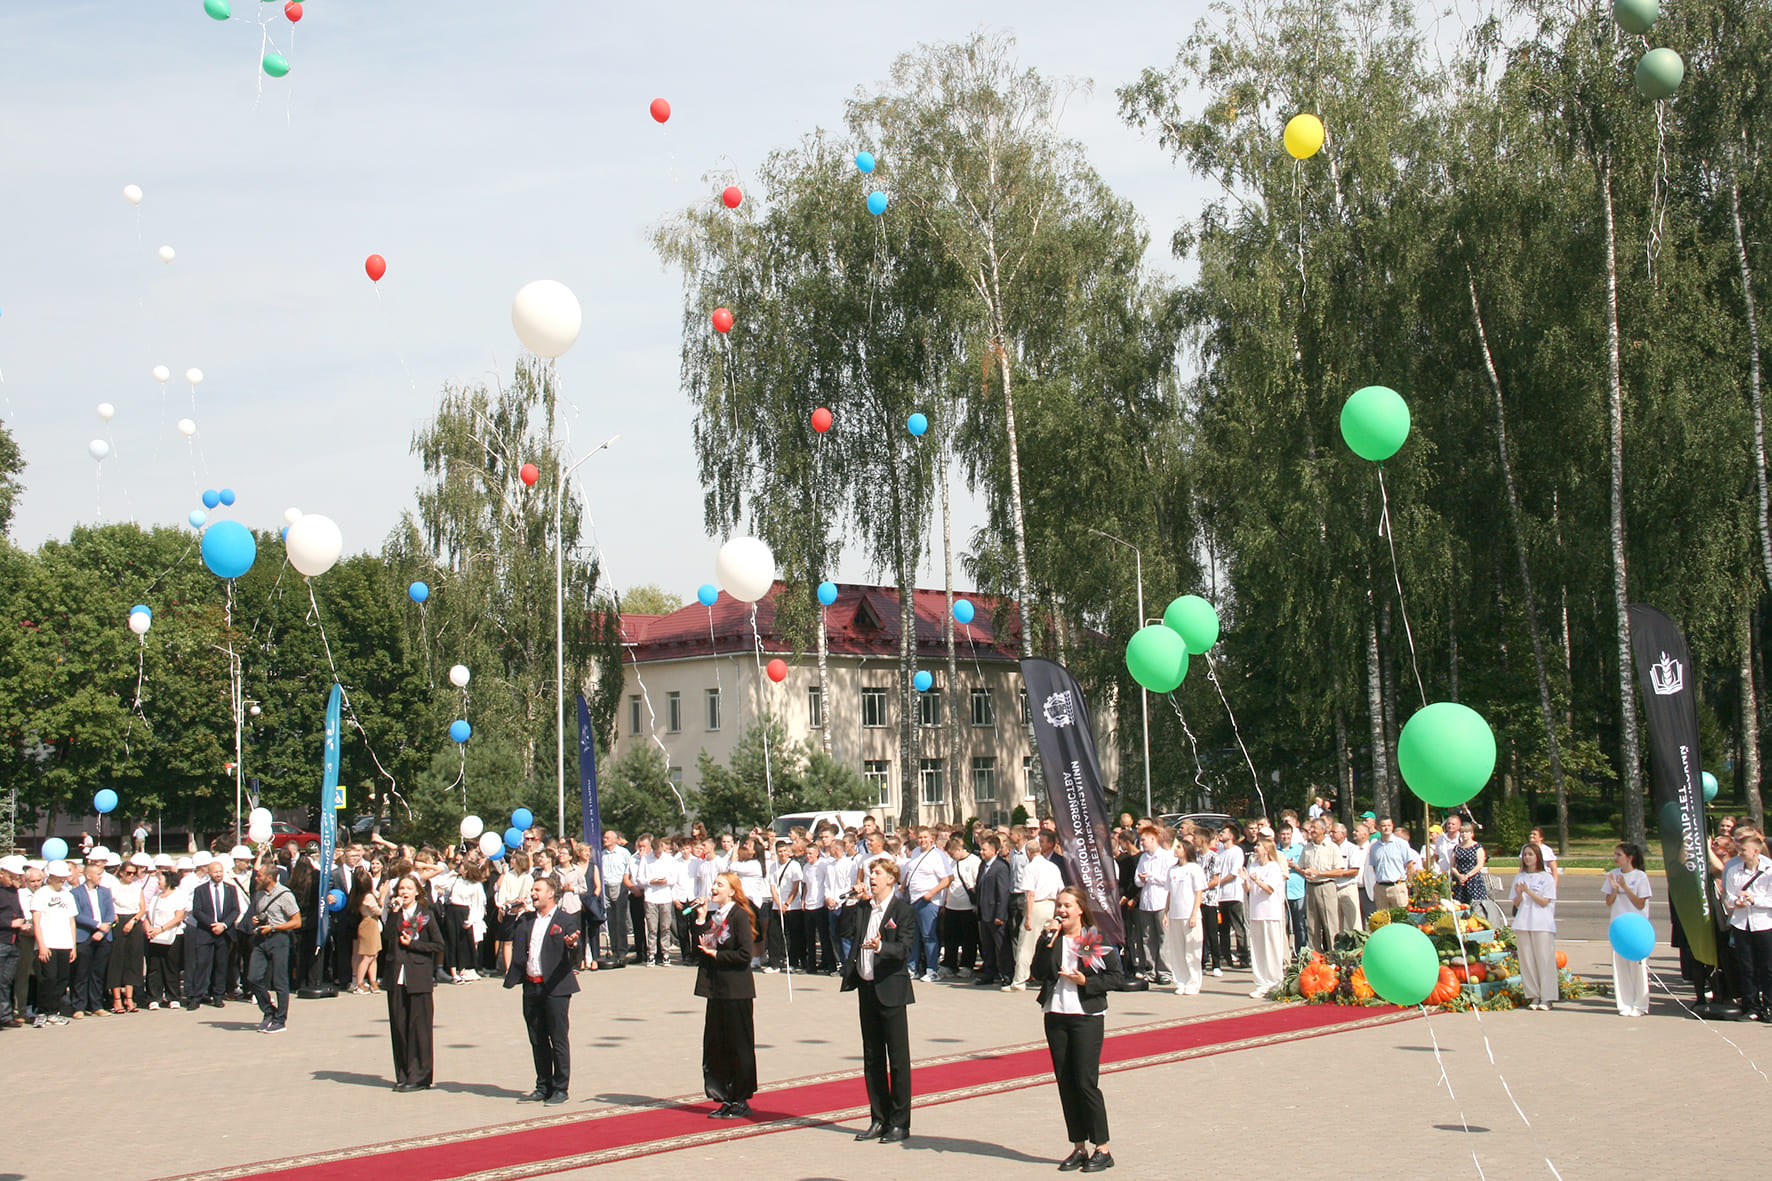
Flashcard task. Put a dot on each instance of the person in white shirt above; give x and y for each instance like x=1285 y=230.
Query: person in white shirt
x=657 y=874
x=1626 y=889
x=1347 y=891
x=821 y=951
x=1266 y=882
x=1545 y=850
x=787 y=884
x=686 y=853
x=1535 y=929
x=1446 y=841
x=959 y=912
x=838 y=888
x=1227 y=878
x=928 y=872
x=1182 y=934
x=1747 y=900
x=165 y=922
x=53 y=914
x=1044 y=882
x=1151 y=875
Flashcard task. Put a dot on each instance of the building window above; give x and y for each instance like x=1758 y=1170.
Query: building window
x=713 y=709
x=674 y=713
x=984 y=779
x=815 y=707
x=929 y=775
x=1027 y=779
x=983 y=714
x=634 y=714
x=1027 y=715
x=929 y=708
x=878 y=773
x=873 y=707
x=676 y=776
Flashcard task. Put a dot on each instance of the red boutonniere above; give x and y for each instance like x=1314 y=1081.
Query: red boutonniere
x=413 y=925
x=1089 y=952
x=554 y=930
x=891 y=925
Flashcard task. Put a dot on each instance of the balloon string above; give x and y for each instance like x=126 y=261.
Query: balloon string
x=662 y=750
x=763 y=715
x=1384 y=527
x=1212 y=675
x=136 y=705
x=1447 y=1080
x=1693 y=1013
x=424 y=639
x=388 y=325
x=1658 y=194
x=316 y=622
x=1199 y=770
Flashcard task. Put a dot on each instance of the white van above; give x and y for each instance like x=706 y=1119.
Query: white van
x=782 y=825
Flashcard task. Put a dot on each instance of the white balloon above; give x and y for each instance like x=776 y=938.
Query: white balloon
x=106 y=411
x=258 y=816
x=167 y=254
x=162 y=374
x=314 y=544
x=547 y=317
x=472 y=827
x=745 y=568
x=291 y=516
x=140 y=622
x=98 y=449
x=490 y=843
x=132 y=194
x=194 y=376
x=187 y=427
x=458 y=676
x=258 y=834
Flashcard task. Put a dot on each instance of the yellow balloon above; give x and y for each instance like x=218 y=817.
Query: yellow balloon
x=1304 y=136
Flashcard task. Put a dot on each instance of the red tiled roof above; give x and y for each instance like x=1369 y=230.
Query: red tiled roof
x=864 y=621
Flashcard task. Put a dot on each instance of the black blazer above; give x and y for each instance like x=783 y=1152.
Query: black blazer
x=995 y=883
x=418 y=958
x=898 y=938
x=203 y=906
x=556 y=965
x=1097 y=982
x=726 y=975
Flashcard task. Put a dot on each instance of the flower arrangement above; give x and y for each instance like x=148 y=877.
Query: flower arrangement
x=1089 y=950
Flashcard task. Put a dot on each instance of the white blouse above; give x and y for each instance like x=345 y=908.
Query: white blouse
x=1065 y=998
x=1530 y=916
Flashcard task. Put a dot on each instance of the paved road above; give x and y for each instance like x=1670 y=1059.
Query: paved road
x=1581 y=914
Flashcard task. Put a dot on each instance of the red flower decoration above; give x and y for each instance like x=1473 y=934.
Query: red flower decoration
x=554 y=930
x=1089 y=951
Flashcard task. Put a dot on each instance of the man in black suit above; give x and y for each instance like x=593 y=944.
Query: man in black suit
x=995 y=885
x=541 y=961
x=213 y=921
x=882 y=930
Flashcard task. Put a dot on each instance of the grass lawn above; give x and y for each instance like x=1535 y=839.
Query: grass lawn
x=1584 y=852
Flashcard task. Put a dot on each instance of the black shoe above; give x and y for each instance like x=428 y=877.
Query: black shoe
x=536 y=1096
x=263 y=1025
x=982 y=982
x=1100 y=1161
x=741 y=1110
x=402 y=1088
x=1076 y=1160
x=216 y=1002
x=724 y=1111
x=874 y=1132
x=556 y=1098
x=895 y=1136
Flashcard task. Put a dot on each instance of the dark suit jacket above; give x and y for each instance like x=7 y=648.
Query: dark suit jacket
x=203 y=906
x=1097 y=982
x=726 y=975
x=419 y=958
x=898 y=938
x=995 y=883
x=85 y=921
x=556 y=965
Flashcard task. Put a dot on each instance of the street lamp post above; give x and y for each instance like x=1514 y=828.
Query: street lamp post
x=560 y=633
x=1144 y=697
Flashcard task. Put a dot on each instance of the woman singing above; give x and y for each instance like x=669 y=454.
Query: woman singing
x=725 y=940
x=413 y=944
x=1076 y=969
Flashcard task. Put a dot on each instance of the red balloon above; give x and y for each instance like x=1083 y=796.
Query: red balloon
x=732 y=196
x=661 y=110
x=722 y=320
x=375 y=265
x=821 y=420
x=777 y=670
x=529 y=474
x=292 y=10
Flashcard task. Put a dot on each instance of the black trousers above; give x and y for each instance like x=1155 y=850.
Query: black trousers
x=1233 y=934
x=409 y=1025
x=729 y=1051
x=52 y=984
x=1753 y=950
x=959 y=939
x=458 y=941
x=206 y=965
x=636 y=904
x=886 y=1058
x=999 y=958
x=794 y=921
x=268 y=972
x=550 y=1031
x=1146 y=940
x=163 y=973
x=90 y=961
x=1209 y=924
x=1075 y=1042
x=617 y=909
x=821 y=941
x=774 y=938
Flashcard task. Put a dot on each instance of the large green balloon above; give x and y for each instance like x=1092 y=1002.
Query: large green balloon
x=1375 y=422
x=1401 y=964
x=1446 y=753
x=1635 y=16
x=1194 y=620
x=1157 y=658
x=276 y=65
x=218 y=9
x=1659 y=73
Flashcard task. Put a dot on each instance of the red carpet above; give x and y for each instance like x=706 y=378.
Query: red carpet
x=554 y=1144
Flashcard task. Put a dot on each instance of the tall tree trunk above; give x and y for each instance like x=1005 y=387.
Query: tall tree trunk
x=1547 y=714
x=824 y=680
x=1018 y=524
x=1344 y=771
x=1382 y=799
x=1631 y=782
x=1750 y=716
x=962 y=791
x=908 y=746
x=1753 y=373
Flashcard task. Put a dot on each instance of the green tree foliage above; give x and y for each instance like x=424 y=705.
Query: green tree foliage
x=636 y=794
x=737 y=797
x=649 y=599
x=11 y=464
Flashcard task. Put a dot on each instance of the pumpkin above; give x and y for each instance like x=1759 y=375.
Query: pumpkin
x=1562 y=960
x=1445 y=990
x=1362 y=990
x=1461 y=973
x=1316 y=978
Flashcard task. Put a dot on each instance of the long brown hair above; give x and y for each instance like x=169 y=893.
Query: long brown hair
x=1082 y=901
x=736 y=885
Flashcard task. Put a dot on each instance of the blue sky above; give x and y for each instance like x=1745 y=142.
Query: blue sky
x=476 y=147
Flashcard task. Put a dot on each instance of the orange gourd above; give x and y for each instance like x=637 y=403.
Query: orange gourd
x=1445 y=990
x=1562 y=960
x=1362 y=990
x=1316 y=978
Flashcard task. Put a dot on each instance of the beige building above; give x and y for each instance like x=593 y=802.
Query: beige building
x=696 y=678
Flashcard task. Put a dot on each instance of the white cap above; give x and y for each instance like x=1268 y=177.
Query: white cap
x=241 y=853
x=162 y=861
x=113 y=858
x=99 y=853
x=141 y=861
x=56 y=869
x=201 y=861
x=13 y=864
x=185 y=864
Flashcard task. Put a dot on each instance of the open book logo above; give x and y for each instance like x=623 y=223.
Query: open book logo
x=1058 y=710
x=1666 y=676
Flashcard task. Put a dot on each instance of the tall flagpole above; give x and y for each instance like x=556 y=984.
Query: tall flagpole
x=560 y=634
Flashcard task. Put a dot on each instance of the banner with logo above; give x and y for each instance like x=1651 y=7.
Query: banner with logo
x=332 y=797
x=1074 y=789
x=1670 y=717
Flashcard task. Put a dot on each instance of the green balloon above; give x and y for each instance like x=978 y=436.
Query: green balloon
x=1635 y=16
x=1446 y=753
x=1401 y=964
x=1157 y=658
x=218 y=9
x=1194 y=620
x=276 y=65
x=1375 y=422
x=1659 y=73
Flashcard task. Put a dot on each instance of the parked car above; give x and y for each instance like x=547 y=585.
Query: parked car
x=1211 y=821
x=283 y=832
x=782 y=825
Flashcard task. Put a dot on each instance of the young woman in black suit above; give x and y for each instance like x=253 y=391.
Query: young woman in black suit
x=1076 y=969
x=726 y=939
x=412 y=945
x=882 y=931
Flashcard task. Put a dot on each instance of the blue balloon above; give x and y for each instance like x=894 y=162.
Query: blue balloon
x=922 y=680
x=877 y=202
x=142 y=609
x=54 y=849
x=1632 y=936
x=104 y=801
x=1710 y=787
x=964 y=611
x=285 y=534
x=335 y=900
x=513 y=838
x=228 y=549
x=197 y=517
x=522 y=818
x=864 y=161
x=460 y=730
x=827 y=593
x=418 y=592
x=211 y=498
x=917 y=424
x=498 y=853
x=227 y=496
x=708 y=594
